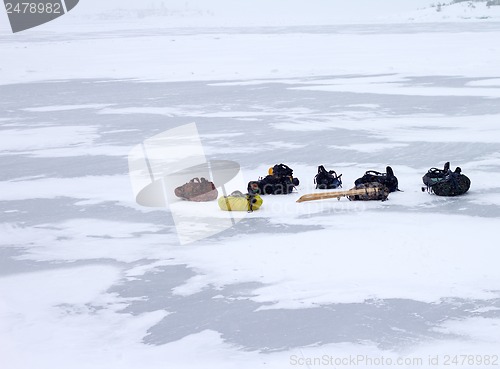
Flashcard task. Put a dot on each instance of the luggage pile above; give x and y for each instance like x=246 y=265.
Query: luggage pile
x=280 y=180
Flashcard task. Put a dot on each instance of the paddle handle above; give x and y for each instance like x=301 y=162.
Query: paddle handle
x=337 y=194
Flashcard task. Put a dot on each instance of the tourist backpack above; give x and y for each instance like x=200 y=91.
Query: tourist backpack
x=237 y=201
x=197 y=190
x=387 y=179
x=280 y=181
x=327 y=180
x=444 y=182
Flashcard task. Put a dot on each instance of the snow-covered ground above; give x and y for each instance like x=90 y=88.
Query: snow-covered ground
x=90 y=279
x=452 y=12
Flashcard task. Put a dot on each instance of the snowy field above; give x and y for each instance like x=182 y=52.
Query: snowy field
x=89 y=279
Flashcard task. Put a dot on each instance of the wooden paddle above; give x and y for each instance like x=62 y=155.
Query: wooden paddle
x=338 y=194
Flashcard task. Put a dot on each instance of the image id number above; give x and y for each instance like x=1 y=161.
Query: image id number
x=472 y=360
x=33 y=8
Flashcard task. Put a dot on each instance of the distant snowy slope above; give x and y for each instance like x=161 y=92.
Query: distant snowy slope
x=94 y=15
x=456 y=11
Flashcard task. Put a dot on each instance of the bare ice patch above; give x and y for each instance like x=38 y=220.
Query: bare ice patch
x=370 y=147
x=50 y=137
x=56 y=108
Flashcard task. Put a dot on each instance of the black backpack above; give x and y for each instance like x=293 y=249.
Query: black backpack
x=327 y=180
x=388 y=179
x=444 y=182
x=280 y=182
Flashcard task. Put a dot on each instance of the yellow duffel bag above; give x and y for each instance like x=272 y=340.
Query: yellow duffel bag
x=238 y=201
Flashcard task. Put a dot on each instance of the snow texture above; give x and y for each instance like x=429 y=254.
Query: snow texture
x=90 y=279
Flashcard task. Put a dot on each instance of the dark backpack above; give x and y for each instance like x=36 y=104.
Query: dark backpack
x=387 y=179
x=280 y=182
x=444 y=182
x=327 y=180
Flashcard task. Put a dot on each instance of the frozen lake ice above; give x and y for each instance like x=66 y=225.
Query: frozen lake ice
x=416 y=275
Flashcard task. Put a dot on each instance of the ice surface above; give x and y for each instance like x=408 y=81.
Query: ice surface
x=89 y=279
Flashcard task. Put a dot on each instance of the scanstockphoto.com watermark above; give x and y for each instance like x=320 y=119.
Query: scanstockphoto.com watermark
x=26 y=14
x=367 y=361
x=313 y=208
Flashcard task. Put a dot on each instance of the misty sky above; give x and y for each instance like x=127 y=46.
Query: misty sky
x=341 y=7
x=265 y=11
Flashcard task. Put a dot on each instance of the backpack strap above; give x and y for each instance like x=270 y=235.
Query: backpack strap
x=436 y=171
x=334 y=173
x=251 y=200
x=283 y=166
